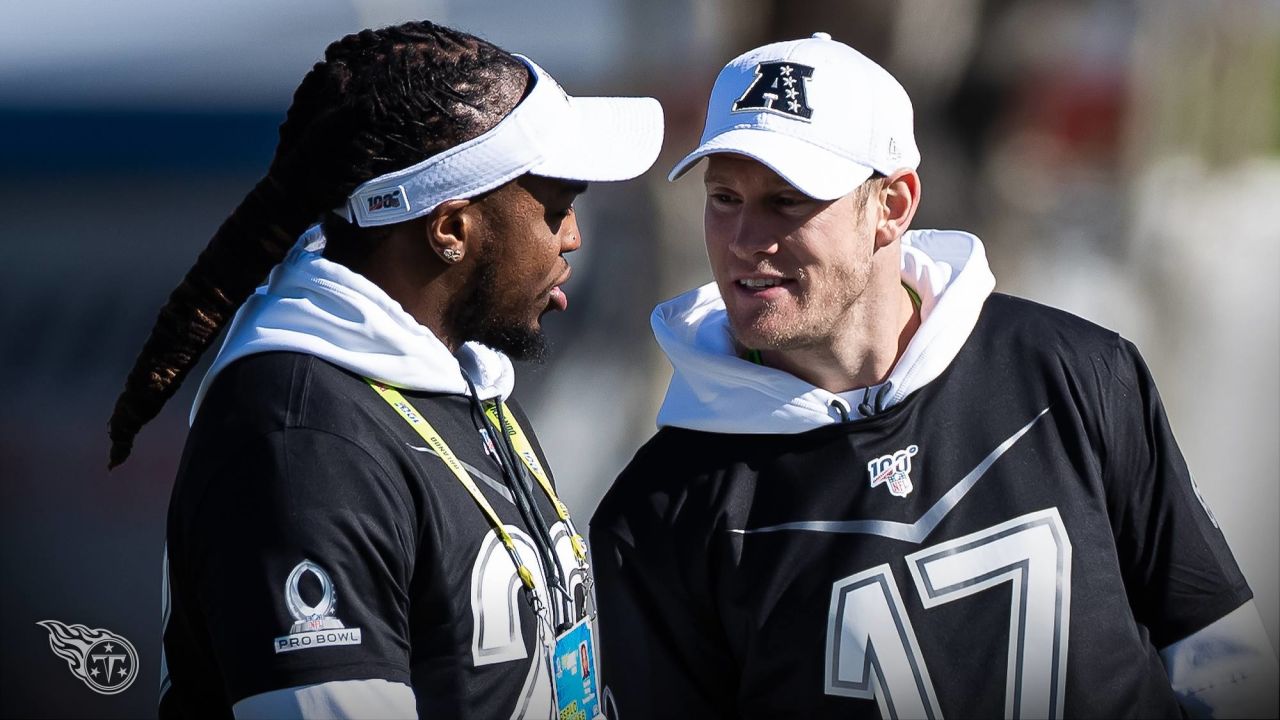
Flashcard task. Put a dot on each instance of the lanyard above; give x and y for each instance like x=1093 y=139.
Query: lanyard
x=437 y=443
x=525 y=450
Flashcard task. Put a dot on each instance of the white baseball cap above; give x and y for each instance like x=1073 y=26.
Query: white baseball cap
x=550 y=133
x=817 y=112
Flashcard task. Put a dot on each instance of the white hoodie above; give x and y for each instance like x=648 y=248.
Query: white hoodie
x=314 y=306
x=714 y=390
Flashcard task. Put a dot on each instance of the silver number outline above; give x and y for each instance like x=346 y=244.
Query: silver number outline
x=1014 y=551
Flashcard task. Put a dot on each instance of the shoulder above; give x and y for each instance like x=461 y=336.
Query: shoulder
x=1096 y=371
x=679 y=454
x=1009 y=318
x=677 y=470
x=1028 y=335
x=281 y=417
x=272 y=466
x=273 y=391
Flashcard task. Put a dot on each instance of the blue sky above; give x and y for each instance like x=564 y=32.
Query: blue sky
x=250 y=54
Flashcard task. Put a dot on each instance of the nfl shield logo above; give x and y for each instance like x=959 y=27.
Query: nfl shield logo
x=894 y=470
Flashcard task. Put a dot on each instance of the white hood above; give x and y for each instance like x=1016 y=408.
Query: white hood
x=714 y=390
x=314 y=306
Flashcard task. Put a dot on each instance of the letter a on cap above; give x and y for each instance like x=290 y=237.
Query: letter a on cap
x=778 y=87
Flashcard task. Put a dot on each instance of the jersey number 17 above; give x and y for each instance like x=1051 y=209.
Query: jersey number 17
x=872 y=650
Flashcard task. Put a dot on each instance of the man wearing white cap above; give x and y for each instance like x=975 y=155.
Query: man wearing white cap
x=881 y=489
x=363 y=524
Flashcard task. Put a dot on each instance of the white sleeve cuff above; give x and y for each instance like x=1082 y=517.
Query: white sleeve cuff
x=1228 y=669
x=338 y=699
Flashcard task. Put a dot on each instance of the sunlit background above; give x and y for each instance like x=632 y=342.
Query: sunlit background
x=1120 y=159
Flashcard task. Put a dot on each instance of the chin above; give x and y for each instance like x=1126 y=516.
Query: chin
x=762 y=330
x=773 y=333
x=520 y=343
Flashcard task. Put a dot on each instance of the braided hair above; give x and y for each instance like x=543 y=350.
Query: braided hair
x=381 y=100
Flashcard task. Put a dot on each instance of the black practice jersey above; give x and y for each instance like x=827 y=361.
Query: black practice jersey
x=314 y=537
x=1017 y=538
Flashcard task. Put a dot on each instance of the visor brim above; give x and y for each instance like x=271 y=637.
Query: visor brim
x=815 y=171
x=612 y=139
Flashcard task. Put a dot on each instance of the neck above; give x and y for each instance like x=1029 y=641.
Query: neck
x=429 y=305
x=864 y=349
x=410 y=275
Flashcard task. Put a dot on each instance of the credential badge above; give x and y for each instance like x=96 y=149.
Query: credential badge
x=895 y=470
x=314 y=625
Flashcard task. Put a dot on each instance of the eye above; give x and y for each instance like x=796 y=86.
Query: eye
x=557 y=216
x=793 y=204
x=721 y=198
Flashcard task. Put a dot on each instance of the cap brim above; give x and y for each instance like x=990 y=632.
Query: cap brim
x=612 y=138
x=814 y=171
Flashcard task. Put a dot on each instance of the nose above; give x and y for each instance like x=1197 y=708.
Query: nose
x=570 y=236
x=752 y=237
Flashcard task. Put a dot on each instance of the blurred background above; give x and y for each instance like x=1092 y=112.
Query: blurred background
x=1120 y=159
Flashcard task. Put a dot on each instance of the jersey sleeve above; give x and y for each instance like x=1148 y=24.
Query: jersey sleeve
x=298 y=557
x=1179 y=572
x=662 y=648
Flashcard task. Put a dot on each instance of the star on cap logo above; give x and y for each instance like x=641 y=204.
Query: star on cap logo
x=779 y=87
x=101 y=659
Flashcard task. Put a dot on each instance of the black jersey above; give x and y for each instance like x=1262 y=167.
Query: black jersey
x=314 y=537
x=1016 y=538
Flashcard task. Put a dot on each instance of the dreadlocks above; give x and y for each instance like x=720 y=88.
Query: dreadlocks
x=381 y=100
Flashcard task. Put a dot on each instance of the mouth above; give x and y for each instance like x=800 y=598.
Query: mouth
x=557 y=299
x=763 y=287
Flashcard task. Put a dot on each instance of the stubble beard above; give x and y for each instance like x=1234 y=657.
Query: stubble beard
x=809 y=322
x=476 y=318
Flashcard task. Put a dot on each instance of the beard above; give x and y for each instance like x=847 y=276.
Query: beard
x=773 y=329
x=807 y=321
x=477 y=318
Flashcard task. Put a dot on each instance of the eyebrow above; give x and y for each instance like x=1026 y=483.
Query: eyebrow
x=723 y=179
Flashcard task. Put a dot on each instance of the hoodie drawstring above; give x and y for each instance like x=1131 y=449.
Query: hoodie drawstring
x=841 y=407
x=866 y=408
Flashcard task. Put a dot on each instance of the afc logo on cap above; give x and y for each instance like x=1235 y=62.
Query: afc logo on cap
x=778 y=87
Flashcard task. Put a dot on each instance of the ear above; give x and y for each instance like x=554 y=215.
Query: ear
x=897 y=201
x=451 y=229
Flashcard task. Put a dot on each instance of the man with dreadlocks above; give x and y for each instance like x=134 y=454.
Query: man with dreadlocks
x=363 y=523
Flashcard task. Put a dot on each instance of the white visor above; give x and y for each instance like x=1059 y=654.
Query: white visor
x=551 y=134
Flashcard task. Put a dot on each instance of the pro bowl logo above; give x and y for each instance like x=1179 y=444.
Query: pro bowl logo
x=895 y=470
x=313 y=625
x=103 y=660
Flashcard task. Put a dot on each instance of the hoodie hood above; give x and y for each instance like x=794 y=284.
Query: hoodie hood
x=714 y=390
x=314 y=306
